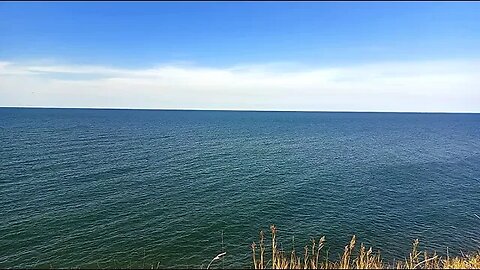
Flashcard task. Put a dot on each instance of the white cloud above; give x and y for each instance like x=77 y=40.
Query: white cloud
x=444 y=86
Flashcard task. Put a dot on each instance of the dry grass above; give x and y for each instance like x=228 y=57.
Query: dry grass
x=362 y=258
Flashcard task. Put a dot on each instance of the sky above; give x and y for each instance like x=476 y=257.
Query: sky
x=301 y=56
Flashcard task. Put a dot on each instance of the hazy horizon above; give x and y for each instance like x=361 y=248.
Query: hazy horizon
x=225 y=110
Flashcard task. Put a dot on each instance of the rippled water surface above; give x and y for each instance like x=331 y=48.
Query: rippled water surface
x=133 y=188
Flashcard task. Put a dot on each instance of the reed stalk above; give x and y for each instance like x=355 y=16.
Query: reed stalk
x=363 y=258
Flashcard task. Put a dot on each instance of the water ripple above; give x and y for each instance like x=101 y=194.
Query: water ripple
x=113 y=188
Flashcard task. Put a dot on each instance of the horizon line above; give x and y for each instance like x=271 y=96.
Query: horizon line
x=229 y=110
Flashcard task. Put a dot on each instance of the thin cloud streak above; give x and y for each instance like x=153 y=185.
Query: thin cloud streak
x=428 y=86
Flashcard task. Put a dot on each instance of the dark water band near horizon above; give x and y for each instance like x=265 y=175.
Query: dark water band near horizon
x=140 y=188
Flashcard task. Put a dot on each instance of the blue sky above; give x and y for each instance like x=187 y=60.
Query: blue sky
x=223 y=35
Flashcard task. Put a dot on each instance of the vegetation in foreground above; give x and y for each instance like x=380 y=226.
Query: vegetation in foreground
x=352 y=258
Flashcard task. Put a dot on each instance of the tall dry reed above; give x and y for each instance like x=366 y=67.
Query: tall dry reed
x=362 y=258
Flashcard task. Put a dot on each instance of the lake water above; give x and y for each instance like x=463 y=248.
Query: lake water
x=134 y=188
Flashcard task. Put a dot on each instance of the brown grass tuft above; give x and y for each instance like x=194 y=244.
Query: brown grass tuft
x=362 y=259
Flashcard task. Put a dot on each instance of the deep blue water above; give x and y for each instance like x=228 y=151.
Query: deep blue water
x=133 y=188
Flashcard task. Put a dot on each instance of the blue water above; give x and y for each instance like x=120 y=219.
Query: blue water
x=140 y=188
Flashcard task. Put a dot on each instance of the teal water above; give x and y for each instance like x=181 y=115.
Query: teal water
x=133 y=188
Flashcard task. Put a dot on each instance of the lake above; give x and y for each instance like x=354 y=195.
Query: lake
x=141 y=188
